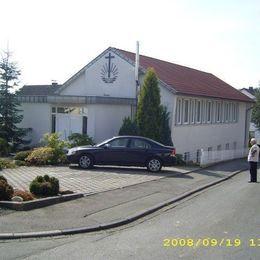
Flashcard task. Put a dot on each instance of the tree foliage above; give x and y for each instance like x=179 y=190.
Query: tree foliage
x=165 y=130
x=148 y=109
x=10 y=114
x=256 y=109
x=152 y=119
x=129 y=127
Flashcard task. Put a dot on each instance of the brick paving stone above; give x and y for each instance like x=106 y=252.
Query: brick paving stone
x=77 y=180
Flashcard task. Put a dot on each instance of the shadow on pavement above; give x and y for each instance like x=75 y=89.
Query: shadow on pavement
x=130 y=170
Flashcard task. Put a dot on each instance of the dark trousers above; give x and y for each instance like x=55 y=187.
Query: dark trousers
x=253 y=171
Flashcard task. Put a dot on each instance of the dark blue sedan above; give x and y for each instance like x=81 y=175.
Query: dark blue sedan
x=124 y=151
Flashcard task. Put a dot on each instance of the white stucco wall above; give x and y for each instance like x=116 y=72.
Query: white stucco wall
x=106 y=120
x=190 y=138
x=36 y=116
x=90 y=82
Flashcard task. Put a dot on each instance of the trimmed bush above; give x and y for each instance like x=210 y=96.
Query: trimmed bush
x=21 y=163
x=77 y=139
x=4 y=164
x=26 y=195
x=44 y=186
x=21 y=156
x=6 y=190
x=41 y=156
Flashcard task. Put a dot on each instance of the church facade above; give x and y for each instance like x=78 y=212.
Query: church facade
x=205 y=112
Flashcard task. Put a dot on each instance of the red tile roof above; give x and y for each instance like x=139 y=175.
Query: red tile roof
x=189 y=81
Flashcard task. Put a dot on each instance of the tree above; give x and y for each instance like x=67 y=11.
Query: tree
x=148 y=109
x=128 y=128
x=256 y=110
x=165 y=130
x=10 y=115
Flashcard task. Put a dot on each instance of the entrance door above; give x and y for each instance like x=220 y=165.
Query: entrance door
x=67 y=124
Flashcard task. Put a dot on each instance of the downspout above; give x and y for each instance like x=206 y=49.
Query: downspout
x=246 y=133
x=137 y=73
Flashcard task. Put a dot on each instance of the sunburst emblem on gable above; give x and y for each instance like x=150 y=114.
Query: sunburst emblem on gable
x=109 y=71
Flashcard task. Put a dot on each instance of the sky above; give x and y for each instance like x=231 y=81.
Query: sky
x=53 y=39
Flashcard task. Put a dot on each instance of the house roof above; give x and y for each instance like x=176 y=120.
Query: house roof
x=180 y=79
x=38 y=90
x=189 y=81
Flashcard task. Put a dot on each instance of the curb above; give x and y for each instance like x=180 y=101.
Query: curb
x=114 y=224
x=39 y=203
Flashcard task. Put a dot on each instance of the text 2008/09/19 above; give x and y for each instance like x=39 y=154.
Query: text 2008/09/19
x=210 y=242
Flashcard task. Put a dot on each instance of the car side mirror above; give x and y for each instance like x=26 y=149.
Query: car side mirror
x=107 y=146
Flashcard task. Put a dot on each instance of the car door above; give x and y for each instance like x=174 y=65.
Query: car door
x=113 y=152
x=138 y=151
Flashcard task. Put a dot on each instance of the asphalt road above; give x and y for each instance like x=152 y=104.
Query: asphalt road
x=222 y=222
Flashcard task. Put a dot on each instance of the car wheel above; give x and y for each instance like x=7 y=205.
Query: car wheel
x=154 y=165
x=85 y=161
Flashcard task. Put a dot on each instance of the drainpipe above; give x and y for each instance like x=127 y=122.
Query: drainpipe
x=137 y=72
x=246 y=133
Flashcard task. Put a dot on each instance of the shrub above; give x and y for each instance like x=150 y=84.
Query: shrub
x=4 y=147
x=4 y=164
x=2 y=178
x=45 y=186
x=21 y=156
x=77 y=139
x=41 y=156
x=179 y=160
x=26 y=195
x=53 y=141
x=6 y=190
x=21 y=163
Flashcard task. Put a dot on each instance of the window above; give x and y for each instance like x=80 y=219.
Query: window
x=208 y=111
x=186 y=112
x=53 y=123
x=179 y=111
x=234 y=112
x=226 y=114
x=84 y=125
x=192 y=111
x=203 y=111
x=119 y=143
x=139 y=144
x=218 y=112
x=198 y=111
x=219 y=148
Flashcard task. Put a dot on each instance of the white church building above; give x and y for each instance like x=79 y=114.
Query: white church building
x=205 y=112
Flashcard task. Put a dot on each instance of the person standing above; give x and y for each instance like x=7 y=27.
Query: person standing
x=253 y=157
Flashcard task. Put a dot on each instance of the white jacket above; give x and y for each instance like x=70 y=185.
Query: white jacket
x=253 y=155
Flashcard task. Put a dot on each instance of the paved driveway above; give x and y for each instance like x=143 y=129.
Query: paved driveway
x=86 y=181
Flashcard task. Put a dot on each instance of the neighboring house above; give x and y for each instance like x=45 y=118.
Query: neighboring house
x=205 y=112
x=253 y=131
